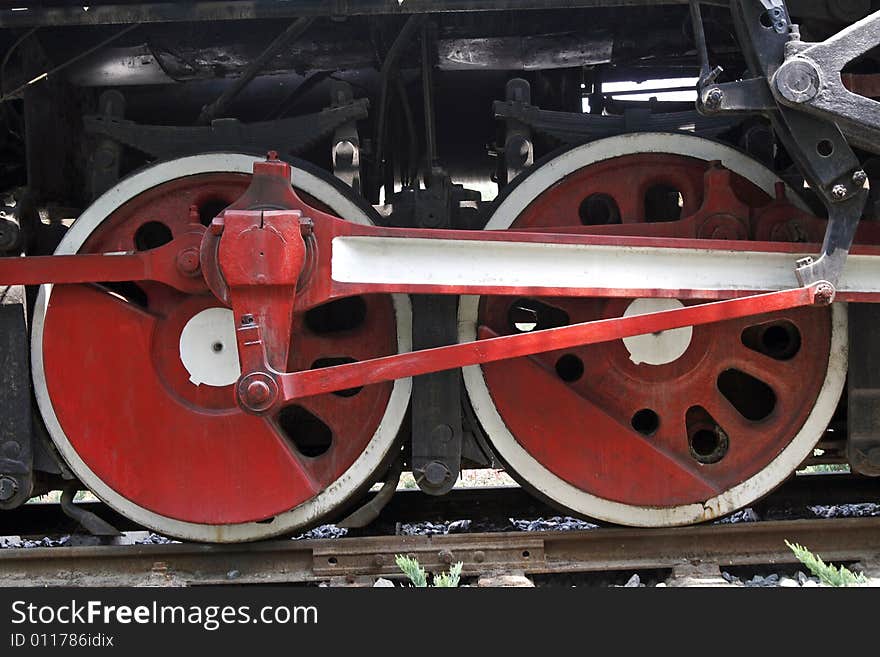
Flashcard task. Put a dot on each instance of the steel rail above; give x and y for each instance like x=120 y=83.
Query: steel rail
x=483 y=503
x=605 y=549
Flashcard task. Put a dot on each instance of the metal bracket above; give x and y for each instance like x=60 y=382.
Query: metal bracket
x=816 y=144
x=519 y=149
x=345 y=153
x=810 y=79
x=16 y=423
x=436 y=397
x=863 y=390
x=105 y=160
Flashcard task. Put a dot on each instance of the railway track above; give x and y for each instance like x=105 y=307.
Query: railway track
x=495 y=502
x=531 y=553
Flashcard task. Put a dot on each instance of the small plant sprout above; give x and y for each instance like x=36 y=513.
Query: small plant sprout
x=416 y=574
x=827 y=573
x=449 y=580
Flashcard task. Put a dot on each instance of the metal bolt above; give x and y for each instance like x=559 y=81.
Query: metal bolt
x=445 y=556
x=714 y=98
x=797 y=81
x=257 y=393
x=824 y=294
x=442 y=433
x=8 y=488
x=247 y=320
x=806 y=261
x=436 y=473
x=272 y=156
x=379 y=560
x=859 y=178
x=188 y=261
x=838 y=192
x=10 y=449
x=479 y=556
x=306 y=226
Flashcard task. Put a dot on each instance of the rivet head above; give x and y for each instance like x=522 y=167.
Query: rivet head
x=188 y=261
x=257 y=392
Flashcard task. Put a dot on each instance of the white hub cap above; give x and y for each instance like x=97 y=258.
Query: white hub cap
x=208 y=349
x=657 y=348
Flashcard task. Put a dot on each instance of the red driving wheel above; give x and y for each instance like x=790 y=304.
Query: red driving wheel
x=147 y=404
x=658 y=429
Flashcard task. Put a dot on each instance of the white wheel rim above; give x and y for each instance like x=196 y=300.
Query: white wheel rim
x=333 y=496
x=558 y=490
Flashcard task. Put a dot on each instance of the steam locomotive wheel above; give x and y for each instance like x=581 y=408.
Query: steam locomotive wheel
x=135 y=382
x=666 y=429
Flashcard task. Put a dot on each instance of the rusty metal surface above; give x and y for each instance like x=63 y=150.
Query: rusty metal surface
x=531 y=553
x=467 y=504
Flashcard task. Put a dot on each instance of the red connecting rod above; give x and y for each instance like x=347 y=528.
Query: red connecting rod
x=492 y=347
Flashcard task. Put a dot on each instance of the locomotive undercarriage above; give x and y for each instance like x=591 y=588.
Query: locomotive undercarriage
x=665 y=312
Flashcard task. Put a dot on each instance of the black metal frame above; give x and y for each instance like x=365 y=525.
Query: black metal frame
x=782 y=91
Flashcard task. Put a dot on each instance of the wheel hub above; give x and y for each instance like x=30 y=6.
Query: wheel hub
x=656 y=348
x=208 y=349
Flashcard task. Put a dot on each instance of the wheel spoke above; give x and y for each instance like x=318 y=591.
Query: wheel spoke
x=727 y=417
x=608 y=444
x=778 y=374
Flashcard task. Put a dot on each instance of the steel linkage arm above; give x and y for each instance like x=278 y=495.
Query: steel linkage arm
x=265 y=390
x=810 y=79
x=175 y=264
x=784 y=88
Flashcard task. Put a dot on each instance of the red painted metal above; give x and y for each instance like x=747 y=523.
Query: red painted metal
x=175 y=264
x=125 y=402
x=492 y=347
x=273 y=266
x=718 y=211
x=624 y=431
x=864 y=84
